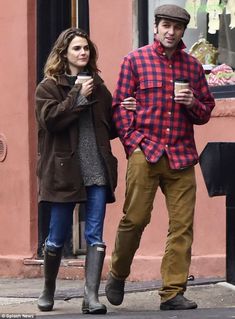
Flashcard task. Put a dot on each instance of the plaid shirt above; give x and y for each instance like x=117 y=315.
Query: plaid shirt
x=159 y=124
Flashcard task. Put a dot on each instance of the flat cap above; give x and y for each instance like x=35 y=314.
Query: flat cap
x=172 y=12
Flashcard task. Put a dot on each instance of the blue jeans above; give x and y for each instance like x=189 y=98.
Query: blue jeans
x=62 y=219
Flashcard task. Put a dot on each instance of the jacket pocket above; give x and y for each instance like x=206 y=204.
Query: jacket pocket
x=66 y=177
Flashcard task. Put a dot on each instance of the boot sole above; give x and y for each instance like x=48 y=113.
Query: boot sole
x=94 y=311
x=116 y=300
x=45 y=308
x=166 y=307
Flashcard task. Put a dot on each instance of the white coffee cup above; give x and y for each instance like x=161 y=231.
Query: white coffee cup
x=83 y=78
x=180 y=85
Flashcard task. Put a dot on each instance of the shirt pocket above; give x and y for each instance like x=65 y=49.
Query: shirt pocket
x=150 y=91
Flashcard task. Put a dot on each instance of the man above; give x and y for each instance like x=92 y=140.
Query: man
x=159 y=142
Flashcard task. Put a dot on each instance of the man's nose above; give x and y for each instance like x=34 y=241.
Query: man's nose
x=171 y=30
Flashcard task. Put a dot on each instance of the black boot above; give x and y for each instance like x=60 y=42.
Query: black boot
x=51 y=268
x=93 y=269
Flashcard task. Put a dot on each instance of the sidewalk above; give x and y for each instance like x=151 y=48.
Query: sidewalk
x=19 y=297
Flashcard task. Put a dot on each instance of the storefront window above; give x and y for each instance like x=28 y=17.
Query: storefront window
x=226 y=41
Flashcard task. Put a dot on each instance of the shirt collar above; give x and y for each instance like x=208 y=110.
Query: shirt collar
x=159 y=48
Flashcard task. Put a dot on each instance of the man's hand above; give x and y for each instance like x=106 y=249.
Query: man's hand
x=185 y=97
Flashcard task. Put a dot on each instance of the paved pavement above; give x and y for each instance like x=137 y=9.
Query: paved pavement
x=18 y=299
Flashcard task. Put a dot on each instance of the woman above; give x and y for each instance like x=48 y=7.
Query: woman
x=75 y=161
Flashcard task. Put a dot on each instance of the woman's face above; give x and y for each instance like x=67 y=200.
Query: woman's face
x=78 y=55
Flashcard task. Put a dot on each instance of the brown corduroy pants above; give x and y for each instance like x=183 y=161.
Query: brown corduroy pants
x=179 y=188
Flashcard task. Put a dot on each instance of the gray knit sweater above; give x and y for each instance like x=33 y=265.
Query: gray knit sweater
x=91 y=162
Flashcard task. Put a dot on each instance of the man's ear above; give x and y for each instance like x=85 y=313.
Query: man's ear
x=155 y=29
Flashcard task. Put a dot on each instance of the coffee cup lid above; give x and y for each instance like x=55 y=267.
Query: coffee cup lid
x=84 y=73
x=181 y=80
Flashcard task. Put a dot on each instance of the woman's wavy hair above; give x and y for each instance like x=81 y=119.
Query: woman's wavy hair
x=57 y=64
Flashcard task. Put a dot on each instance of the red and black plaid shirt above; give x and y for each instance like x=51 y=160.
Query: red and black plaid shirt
x=159 y=124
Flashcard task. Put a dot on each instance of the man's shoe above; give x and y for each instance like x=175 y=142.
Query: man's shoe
x=114 y=290
x=179 y=302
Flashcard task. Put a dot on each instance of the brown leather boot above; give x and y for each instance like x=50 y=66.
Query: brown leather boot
x=179 y=302
x=114 y=290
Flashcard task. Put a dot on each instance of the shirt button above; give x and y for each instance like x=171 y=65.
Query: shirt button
x=168 y=129
x=61 y=164
x=170 y=66
x=169 y=113
x=166 y=145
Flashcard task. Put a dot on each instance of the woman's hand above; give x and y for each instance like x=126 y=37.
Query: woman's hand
x=129 y=103
x=86 y=88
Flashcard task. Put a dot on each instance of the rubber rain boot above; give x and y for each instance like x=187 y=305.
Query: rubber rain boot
x=93 y=269
x=52 y=261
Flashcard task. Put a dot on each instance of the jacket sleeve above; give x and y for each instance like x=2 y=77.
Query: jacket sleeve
x=107 y=119
x=125 y=119
x=204 y=102
x=52 y=114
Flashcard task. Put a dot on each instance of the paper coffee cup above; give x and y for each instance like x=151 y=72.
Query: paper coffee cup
x=180 y=85
x=83 y=78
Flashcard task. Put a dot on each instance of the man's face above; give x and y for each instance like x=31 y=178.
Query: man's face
x=169 y=33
